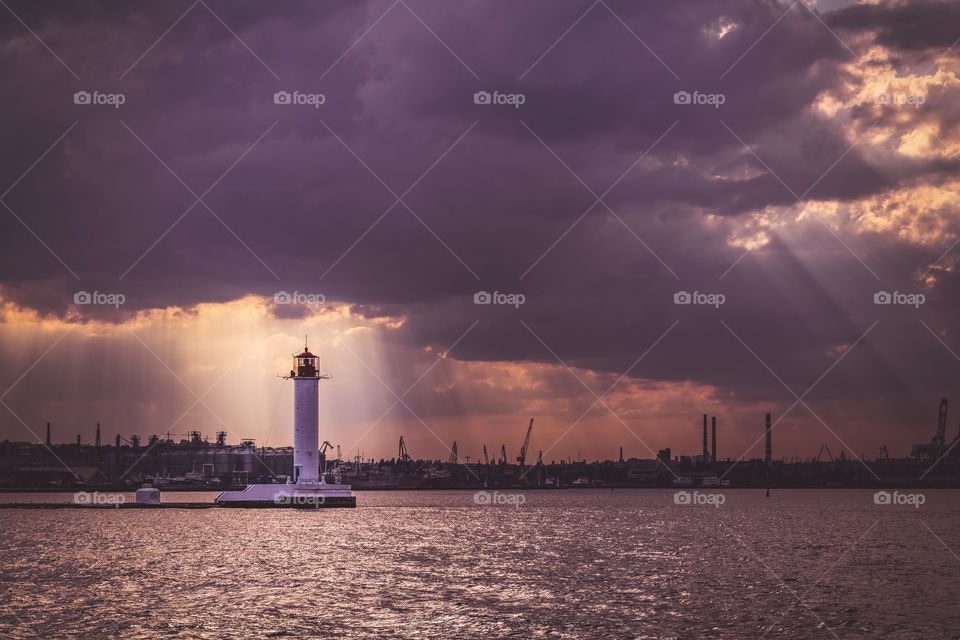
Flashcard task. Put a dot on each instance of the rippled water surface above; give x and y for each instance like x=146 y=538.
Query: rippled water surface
x=565 y=564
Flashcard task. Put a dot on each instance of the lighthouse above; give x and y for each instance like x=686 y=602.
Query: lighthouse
x=305 y=488
x=306 y=417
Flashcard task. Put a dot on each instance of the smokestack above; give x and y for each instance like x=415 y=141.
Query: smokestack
x=78 y=439
x=48 y=434
x=768 y=456
x=97 y=445
x=705 y=451
x=621 y=454
x=713 y=454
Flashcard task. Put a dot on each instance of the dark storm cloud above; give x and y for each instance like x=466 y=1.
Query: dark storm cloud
x=287 y=212
x=913 y=26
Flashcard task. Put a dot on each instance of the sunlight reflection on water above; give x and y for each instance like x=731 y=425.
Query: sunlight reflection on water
x=564 y=564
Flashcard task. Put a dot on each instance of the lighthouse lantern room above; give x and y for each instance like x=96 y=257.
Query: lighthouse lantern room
x=304 y=365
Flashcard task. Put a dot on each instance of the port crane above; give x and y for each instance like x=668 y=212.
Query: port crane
x=489 y=467
x=823 y=448
x=522 y=458
x=454 y=458
x=323 y=455
x=402 y=456
x=941 y=426
x=933 y=450
x=503 y=455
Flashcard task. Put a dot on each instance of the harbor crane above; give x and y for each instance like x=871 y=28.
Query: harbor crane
x=503 y=455
x=486 y=463
x=823 y=448
x=402 y=455
x=323 y=455
x=934 y=448
x=454 y=458
x=522 y=458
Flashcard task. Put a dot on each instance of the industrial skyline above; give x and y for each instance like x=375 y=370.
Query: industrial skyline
x=196 y=463
x=926 y=455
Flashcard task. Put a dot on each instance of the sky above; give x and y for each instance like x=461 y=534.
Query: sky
x=613 y=217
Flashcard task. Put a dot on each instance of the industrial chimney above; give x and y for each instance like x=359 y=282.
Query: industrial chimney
x=768 y=457
x=713 y=453
x=706 y=452
x=48 y=434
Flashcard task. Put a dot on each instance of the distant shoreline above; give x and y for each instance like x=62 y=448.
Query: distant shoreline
x=874 y=487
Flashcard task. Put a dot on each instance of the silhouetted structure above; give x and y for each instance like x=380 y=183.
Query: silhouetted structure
x=196 y=463
x=768 y=454
x=705 y=451
x=713 y=453
x=932 y=451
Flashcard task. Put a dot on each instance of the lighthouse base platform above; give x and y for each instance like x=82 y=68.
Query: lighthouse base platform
x=313 y=495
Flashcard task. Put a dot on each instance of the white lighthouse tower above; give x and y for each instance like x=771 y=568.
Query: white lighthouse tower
x=306 y=417
x=306 y=488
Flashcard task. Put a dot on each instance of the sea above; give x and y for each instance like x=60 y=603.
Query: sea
x=577 y=563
